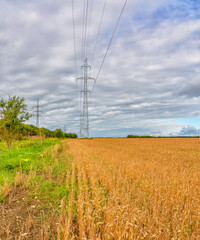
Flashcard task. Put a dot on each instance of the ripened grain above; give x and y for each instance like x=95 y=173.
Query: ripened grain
x=136 y=188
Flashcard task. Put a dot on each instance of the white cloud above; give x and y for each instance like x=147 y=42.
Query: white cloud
x=189 y=130
x=150 y=74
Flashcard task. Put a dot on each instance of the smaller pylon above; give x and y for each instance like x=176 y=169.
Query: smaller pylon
x=38 y=111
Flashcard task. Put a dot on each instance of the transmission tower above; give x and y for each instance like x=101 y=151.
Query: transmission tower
x=38 y=111
x=64 y=129
x=84 y=120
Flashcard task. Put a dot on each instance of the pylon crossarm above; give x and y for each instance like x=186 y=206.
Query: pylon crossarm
x=88 y=78
x=82 y=91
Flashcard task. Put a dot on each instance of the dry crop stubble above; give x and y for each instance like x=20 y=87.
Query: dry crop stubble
x=137 y=188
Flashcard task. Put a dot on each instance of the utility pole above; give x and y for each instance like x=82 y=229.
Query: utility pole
x=84 y=120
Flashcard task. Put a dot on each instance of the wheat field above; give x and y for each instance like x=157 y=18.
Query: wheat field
x=102 y=189
x=134 y=189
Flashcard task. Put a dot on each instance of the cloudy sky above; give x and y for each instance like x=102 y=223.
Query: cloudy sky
x=150 y=80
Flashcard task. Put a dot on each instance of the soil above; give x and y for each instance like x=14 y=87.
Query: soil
x=23 y=217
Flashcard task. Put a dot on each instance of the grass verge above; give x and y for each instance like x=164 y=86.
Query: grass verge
x=42 y=174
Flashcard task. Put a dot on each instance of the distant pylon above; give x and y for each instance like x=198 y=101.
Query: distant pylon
x=84 y=119
x=38 y=111
x=64 y=129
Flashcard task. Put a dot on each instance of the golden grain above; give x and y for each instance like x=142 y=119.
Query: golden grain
x=137 y=188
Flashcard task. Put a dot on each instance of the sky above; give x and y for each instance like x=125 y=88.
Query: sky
x=149 y=83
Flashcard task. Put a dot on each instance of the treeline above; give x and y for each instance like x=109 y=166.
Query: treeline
x=137 y=136
x=13 y=114
x=31 y=130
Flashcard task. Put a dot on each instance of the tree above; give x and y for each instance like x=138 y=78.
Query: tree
x=13 y=113
x=70 y=135
x=46 y=132
x=58 y=133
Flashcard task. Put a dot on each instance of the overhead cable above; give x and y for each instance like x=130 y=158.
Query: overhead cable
x=90 y=19
x=74 y=36
x=110 y=43
x=85 y=33
x=83 y=28
x=99 y=30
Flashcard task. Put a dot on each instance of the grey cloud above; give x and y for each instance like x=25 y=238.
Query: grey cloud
x=146 y=75
x=191 y=90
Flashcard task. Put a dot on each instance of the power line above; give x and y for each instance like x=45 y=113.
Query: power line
x=15 y=84
x=45 y=123
x=75 y=60
x=84 y=119
x=74 y=35
x=85 y=34
x=12 y=83
x=90 y=18
x=99 y=30
x=110 y=42
x=83 y=28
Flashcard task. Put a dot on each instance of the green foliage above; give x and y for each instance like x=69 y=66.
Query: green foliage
x=58 y=133
x=28 y=130
x=29 y=158
x=136 y=136
x=46 y=132
x=2 y=199
x=23 y=156
x=13 y=113
x=70 y=135
x=51 y=190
